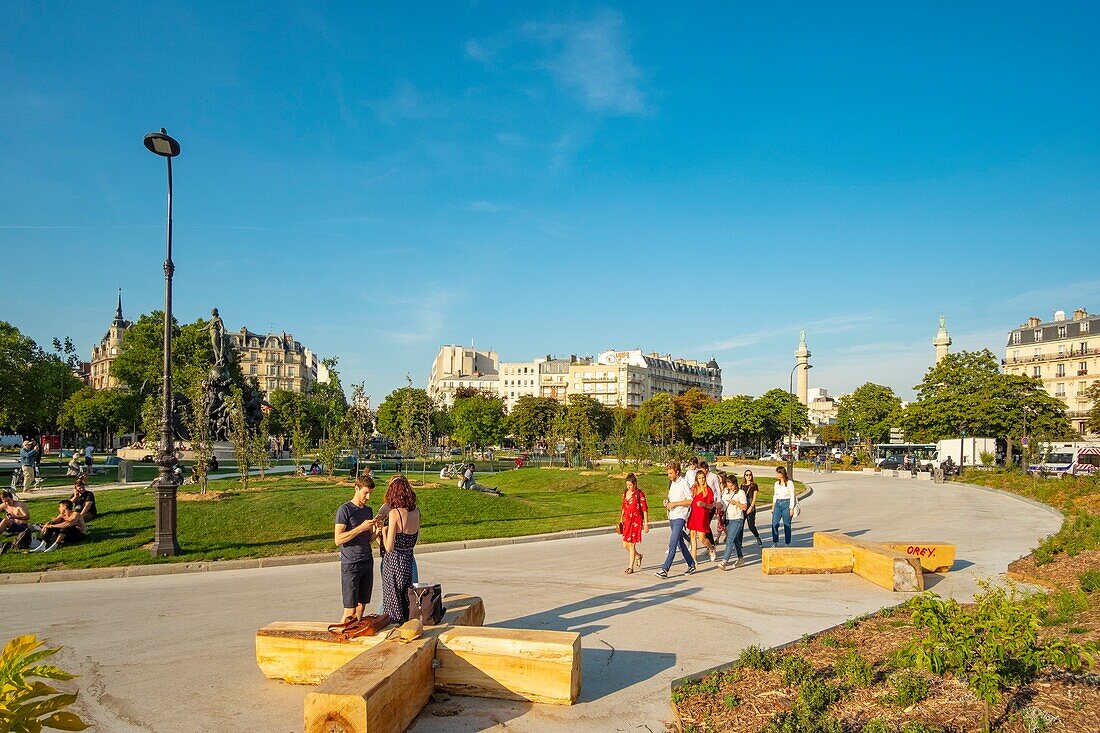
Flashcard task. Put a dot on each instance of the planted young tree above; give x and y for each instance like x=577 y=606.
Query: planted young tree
x=261 y=435
x=299 y=441
x=331 y=447
x=240 y=435
x=196 y=420
x=531 y=420
x=405 y=417
x=358 y=423
x=587 y=423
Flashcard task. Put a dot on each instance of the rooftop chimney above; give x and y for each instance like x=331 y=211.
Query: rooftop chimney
x=1080 y=314
x=1033 y=321
x=1059 y=316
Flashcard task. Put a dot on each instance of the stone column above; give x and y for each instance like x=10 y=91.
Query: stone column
x=942 y=342
x=802 y=356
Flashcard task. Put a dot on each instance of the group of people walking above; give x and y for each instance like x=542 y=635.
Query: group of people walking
x=395 y=529
x=696 y=497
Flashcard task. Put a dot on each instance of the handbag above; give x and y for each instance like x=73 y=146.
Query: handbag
x=619 y=528
x=796 y=511
x=426 y=603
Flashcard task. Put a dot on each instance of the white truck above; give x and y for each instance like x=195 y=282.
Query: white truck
x=968 y=450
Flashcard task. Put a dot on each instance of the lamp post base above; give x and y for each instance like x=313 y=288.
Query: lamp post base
x=165 y=543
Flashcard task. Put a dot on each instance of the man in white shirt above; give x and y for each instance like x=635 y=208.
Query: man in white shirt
x=678 y=505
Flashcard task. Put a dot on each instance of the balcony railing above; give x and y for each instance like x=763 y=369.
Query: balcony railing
x=1051 y=357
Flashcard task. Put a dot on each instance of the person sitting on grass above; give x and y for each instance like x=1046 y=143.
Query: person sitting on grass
x=67 y=527
x=76 y=465
x=315 y=468
x=15 y=521
x=83 y=500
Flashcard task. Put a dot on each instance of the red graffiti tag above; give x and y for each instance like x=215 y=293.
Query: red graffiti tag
x=921 y=551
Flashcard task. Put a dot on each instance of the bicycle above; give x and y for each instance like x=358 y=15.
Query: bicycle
x=17 y=480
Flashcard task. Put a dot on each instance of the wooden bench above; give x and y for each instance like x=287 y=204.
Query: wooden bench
x=806 y=560
x=882 y=565
x=934 y=557
x=305 y=653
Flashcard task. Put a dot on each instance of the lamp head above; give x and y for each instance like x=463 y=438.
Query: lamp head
x=162 y=144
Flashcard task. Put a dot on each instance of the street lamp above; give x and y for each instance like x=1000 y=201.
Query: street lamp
x=790 y=422
x=165 y=543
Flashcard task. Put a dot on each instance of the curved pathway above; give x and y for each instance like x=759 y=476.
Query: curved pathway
x=176 y=652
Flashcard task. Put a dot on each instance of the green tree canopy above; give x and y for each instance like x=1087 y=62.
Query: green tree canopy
x=870 y=411
x=734 y=419
x=34 y=384
x=777 y=411
x=99 y=411
x=478 y=420
x=532 y=419
x=586 y=419
x=1092 y=424
x=832 y=435
x=405 y=416
x=968 y=389
x=663 y=419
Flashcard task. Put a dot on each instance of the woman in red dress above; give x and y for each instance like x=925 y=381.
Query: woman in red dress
x=702 y=509
x=634 y=520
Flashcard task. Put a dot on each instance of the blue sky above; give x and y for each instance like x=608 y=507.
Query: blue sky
x=703 y=179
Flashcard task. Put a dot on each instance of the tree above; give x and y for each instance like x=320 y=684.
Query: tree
x=778 y=411
x=359 y=422
x=584 y=424
x=478 y=420
x=98 y=412
x=1092 y=423
x=832 y=435
x=732 y=420
x=405 y=417
x=628 y=439
x=967 y=391
x=33 y=384
x=240 y=435
x=196 y=420
x=532 y=419
x=691 y=402
x=870 y=411
x=663 y=419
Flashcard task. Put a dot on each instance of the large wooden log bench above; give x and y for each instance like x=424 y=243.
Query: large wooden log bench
x=806 y=560
x=882 y=565
x=934 y=557
x=511 y=664
x=305 y=653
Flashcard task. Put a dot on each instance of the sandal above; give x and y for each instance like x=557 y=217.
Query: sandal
x=638 y=561
x=629 y=570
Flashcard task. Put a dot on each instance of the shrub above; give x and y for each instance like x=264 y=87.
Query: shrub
x=830 y=641
x=1080 y=532
x=795 y=669
x=753 y=657
x=915 y=726
x=815 y=696
x=992 y=647
x=877 y=725
x=987 y=458
x=731 y=701
x=1090 y=581
x=795 y=721
x=26 y=704
x=854 y=669
x=1062 y=606
x=1037 y=720
x=910 y=687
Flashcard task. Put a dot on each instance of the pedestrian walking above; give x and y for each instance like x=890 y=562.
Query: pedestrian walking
x=783 y=504
x=677 y=503
x=702 y=509
x=733 y=504
x=633 y=521
x=748 y=484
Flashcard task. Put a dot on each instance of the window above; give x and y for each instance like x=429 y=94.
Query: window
x=1060 y=389
x=1082 y=368
x=1084 y=326
x=1060 y=370
x=1081 y=387
x=1084 y=347
x=1016 y=355
x=252 y=369
x=290 y=371
x=1061 y=350
x=1038 y=334
x=1061 y=332
x=1015 y=337
x=1038 y=353
x=1036 y=371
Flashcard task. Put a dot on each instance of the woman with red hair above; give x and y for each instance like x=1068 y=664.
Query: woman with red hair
x=398 y=539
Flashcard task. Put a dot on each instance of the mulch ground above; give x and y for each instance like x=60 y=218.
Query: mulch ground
x=1062 y=572
x=950 y=705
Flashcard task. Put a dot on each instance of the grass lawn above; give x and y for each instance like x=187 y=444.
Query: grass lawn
x=293 y=515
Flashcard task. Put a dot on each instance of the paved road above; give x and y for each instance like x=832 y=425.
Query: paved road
x=175 y=653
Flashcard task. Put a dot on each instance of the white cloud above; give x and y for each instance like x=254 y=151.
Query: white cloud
x=591 y=57
x=407 y=103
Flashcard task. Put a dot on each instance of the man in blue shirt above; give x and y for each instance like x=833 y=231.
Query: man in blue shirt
x=355 y=530
x=28 y=457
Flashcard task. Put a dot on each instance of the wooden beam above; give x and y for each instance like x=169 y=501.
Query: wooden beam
x=808 y=560
x=935 y=557
x=883 y=566
x=305 y=653
x=380 y=691
x=511 y=664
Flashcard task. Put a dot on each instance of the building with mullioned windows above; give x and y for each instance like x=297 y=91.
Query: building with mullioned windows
x=1064 y=353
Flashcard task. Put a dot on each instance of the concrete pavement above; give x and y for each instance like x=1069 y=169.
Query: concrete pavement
x=175 y=653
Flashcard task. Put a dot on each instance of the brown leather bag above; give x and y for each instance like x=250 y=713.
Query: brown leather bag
x=369 y=625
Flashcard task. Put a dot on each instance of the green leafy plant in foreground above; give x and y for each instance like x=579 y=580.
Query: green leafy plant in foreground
x=795 y=669
x=909 y=687
x=992 y=647
x=1090 y=580
x=27 y=704
x=854 y=669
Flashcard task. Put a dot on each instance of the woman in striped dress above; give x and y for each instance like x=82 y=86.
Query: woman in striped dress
x=398 y=538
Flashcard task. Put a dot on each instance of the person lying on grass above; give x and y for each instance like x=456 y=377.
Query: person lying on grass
x=67 y=527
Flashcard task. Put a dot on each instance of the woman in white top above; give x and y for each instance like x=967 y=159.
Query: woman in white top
x=733 y=505
x=783 y=503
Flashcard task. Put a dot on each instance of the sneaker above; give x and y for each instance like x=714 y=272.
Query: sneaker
x=661 y=574
x=723 y=566
x=740 y=562
x=52 y=547
x=691 y=570
x=39 y=547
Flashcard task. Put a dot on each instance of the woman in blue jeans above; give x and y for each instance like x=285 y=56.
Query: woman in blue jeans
x=783 y=503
